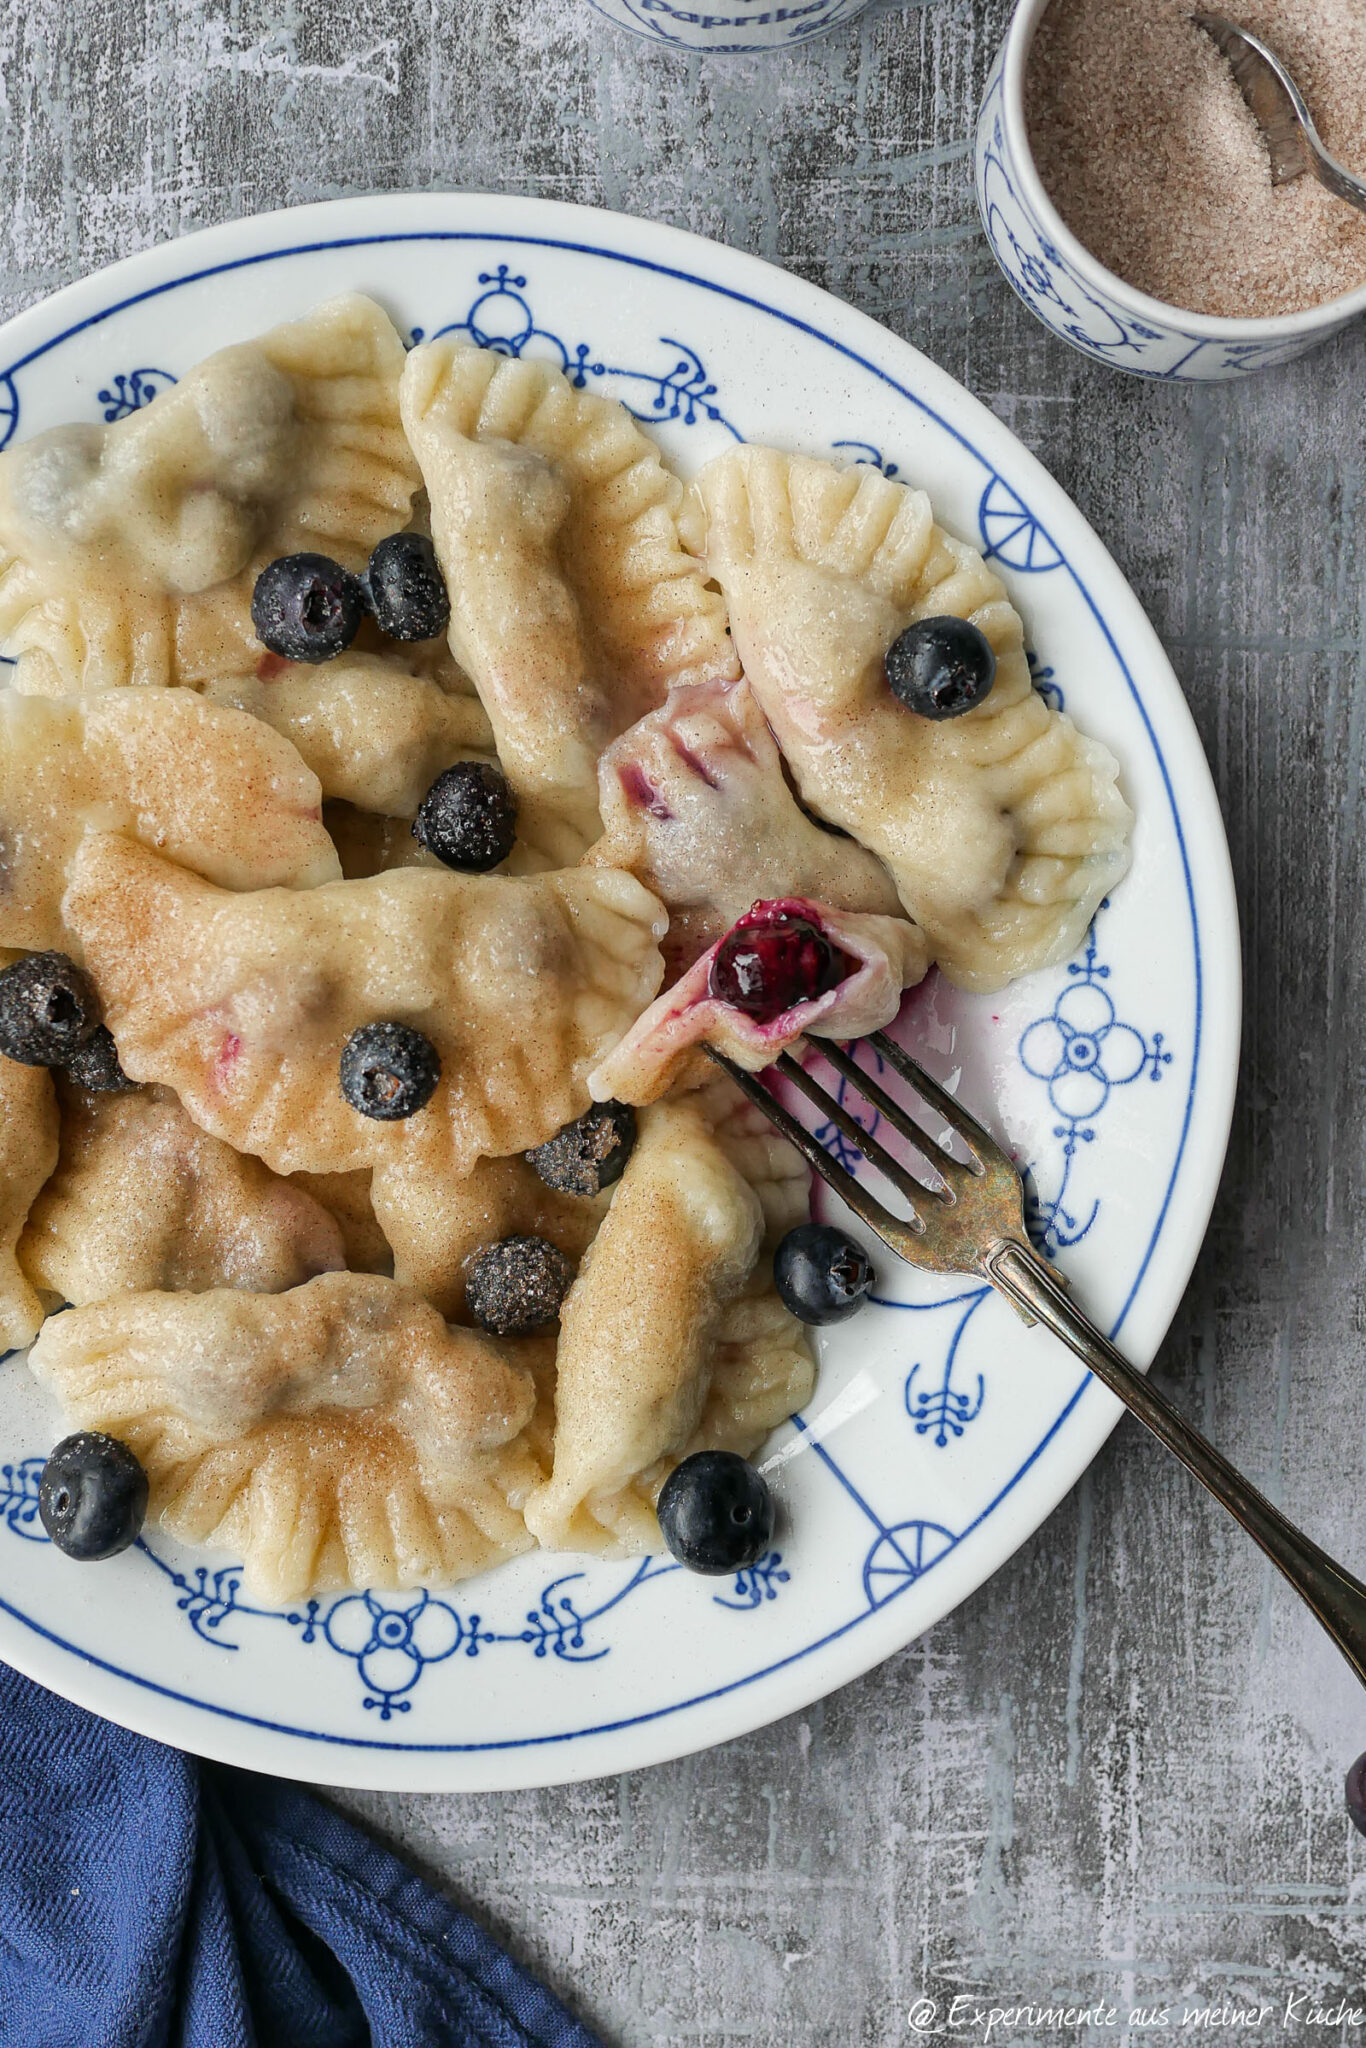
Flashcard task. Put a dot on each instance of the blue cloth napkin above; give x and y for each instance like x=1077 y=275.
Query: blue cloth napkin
x=151 y=1901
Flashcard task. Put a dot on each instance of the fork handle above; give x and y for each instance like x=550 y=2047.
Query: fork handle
x=1338 y=1600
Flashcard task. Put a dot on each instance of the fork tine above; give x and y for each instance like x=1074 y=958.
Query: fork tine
x=891 y=1229
x=975 y=1135
x=877 y=1155
x=953 y=1172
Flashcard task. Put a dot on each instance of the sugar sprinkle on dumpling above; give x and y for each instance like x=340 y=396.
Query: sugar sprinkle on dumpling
x=374 y=732
x=339 y=1434
x=243 y=1003
x=574 y=607
x=128 y=552
x=142 y=1198
x=1003 y=828
x=204 y=784
x=658 y=1354
x=28 y=1153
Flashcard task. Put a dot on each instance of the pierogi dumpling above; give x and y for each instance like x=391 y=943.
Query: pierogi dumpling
x=28 y=1153
x=436 y=1222
x=346 y=1198
x=881 y=957
x=374 y=732
x=128 y=552
x=574 y=608
x=658 y=1355
x=1003 y=828
x=695 y=804
x=142 y=1198
x=207 y=786
x=243 y=1004
x=340 y=1434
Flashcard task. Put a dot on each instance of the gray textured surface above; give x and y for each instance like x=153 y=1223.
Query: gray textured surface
x=1115 y=1773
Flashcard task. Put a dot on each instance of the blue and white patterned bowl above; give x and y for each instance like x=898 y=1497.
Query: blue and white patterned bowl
x=942 y=1431
x=730 y=27
x=1077 y=297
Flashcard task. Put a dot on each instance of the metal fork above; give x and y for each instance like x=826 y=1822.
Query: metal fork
x=972 y=1221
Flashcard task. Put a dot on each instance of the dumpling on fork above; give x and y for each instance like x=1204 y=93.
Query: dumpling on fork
x=574 y=607
x=142 y=1198
x=128 y=552
x=694 y=802
x=339 y=1434
x=206 y=785
x=787 y=969
x=243 y=1004
x=666 y=1346
x=1003 y=828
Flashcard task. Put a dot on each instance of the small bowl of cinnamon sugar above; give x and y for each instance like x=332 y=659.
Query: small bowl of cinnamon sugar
x=1126 y=188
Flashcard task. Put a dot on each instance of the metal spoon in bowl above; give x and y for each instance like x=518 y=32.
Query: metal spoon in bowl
x=1280 y=112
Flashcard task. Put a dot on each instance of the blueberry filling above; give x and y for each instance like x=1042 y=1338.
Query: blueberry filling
x=770 y=962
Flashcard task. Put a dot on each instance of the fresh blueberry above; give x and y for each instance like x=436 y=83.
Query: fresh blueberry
x=468 y=818
x=765 y=967
x=821 y=1274
x=306 y=607
x=941 y=667
x=48 y=1009
x=389 y=1071
x=96 y=1065
x=517 y=1285
x=92 y=1497
x=589 y=1154
x=406 y=589
x=716 y=1513
x=1356 y=1794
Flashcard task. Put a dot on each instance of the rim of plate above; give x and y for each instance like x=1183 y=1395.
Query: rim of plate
x=1086 y=1420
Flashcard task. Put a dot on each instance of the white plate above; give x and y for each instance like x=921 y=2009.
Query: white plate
x=942 y=1432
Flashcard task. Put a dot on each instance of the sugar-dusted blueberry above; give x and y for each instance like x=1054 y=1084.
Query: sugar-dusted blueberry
x=589 y=1154
x=821 y=1274
x=389 y=1071
x=941 y=667
x=48 y=1009
x=96 y=1065
x=92 y=1496
x=406 y=589
x=767 y=968
x=468 y=817
x=517 y=1285
x=716 y=1513
x=306 y=607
